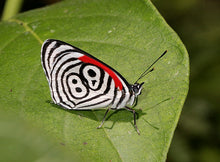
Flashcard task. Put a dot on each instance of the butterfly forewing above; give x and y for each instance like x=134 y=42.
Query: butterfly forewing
x=78 y=80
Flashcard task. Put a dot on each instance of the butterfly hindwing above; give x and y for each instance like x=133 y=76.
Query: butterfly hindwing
x=78 y=80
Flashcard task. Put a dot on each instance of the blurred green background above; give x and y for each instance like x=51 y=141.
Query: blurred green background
x=197 y=22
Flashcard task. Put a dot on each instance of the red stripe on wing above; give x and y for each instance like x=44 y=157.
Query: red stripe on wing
x=90 y=60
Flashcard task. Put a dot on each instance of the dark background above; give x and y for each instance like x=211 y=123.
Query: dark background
x=197 y=22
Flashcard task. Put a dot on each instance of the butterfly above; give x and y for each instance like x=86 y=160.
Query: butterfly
x=79 y=81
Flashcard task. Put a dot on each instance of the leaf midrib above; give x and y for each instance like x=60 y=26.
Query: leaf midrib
x=27 y=28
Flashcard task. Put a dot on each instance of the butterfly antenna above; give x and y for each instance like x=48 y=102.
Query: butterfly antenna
x=148 y=70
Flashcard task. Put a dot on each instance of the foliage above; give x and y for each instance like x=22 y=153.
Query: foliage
x=197 y=135
x=127 y=35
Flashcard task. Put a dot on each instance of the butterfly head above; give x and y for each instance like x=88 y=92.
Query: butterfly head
x=136 y=88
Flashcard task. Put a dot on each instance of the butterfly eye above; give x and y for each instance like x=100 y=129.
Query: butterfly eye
x=135 y=89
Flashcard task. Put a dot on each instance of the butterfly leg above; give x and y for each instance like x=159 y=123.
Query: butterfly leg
x=134 y=113
x=104 y=118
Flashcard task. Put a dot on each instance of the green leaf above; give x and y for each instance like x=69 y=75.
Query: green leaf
x=19 y=141
x=127 y=35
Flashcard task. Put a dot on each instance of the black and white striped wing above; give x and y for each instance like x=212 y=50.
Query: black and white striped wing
x=78 y=80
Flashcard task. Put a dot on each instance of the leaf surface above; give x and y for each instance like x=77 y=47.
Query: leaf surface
x=127 y=35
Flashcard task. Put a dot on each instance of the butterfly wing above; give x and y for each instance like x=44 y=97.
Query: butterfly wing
x=78 y=80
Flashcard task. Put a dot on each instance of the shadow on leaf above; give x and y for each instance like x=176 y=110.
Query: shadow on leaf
x=98 y=114
x=120 y=115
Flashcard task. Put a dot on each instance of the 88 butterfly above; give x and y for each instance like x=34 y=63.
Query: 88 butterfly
x=79 y=81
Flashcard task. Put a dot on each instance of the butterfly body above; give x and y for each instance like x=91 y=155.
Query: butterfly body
x=79 y=81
